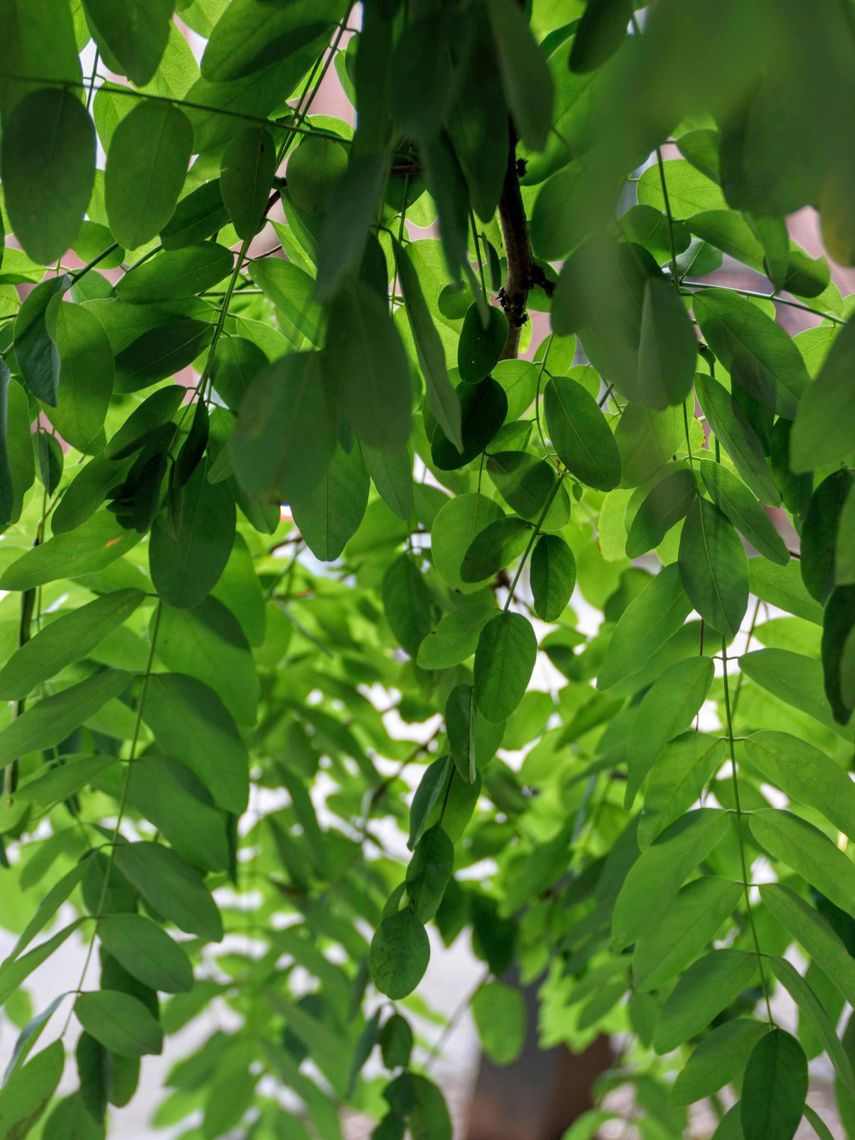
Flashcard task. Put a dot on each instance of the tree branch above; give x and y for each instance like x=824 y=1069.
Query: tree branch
x=520 y=276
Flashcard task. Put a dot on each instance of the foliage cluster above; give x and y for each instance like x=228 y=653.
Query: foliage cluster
x=215 y=712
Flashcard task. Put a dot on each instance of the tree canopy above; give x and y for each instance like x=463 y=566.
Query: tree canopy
x=410 y=535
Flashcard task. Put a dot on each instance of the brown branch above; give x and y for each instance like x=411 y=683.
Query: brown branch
x=520 y=275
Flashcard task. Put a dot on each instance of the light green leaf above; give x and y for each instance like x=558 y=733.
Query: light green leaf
x=793 y=678
x=783 y=587
x=455 y=637
x=824 y=425
x=146 y=952
x=85 y=373
x=653 y=881
x=504 y=661
x=746 y=514
x=175 y=273
x=645 y=625
x=805 y=774
x=26 y=1094
x=171 y=887
x=456 y=524
x=49 y=721
x=774 y=1088
x=737 y=437
x=63 y=779
x=190 y=723
x=580 y=434
x=707 y=987
x=665 y=505
x=120 y=1022
x=687 y=927
x=407 y=602
x=48 y=164
x=803 y=847
x=811 y=1010
x=494 y=549
x=146 y=167
x=67 y=639
x=330 y=514
x=399 y=954
x=290 y=290
x=714 y=568
x=678 y=778
x=500 y=1016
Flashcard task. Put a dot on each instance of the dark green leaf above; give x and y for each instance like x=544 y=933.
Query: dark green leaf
x=246 y=175
x=146 y=167
x=668 y=347
x=399 y=954
x=36 y=352
x=819 y=534
x=329 y=515
x=580 y=434
x=774 y=1088
x=796 y=679
x=504 y=661
x=171 y=887
x=718 y=1060
x=146 y=952
x=483 y=408
x=525 y=74
x=85 y=373
x=645 y=625
x=135 y=35
x=600 y=33
x=176 y=273
x=407 y=603
x=737 y=437
x=48 y=163
x=251 y=34
x=837 y=627
x=714 y=568
x=813 y=932
x=746 y=514
x=666 y=504
x=494 y=548
x=706 y=988
x=120 y=1022
x=553 y=576
x=805 y=849
x=429 y=872
x=479 y=348
x=26 y=1094
x=824 y=426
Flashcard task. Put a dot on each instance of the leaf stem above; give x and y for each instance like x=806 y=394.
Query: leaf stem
x=689 y=286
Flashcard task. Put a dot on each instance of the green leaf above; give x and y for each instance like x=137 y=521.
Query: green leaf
x=286 y=430
x=774 y=1088
x=600 y=33
x=156 y=409
x=15 y=971
x=67 y=639
x=669 y=501
x=644 y=626
x=580 y=434
x=208 y=643
x=714 y=568
x=803 y=847
x=35 y=350
x=819 y=534
x=134 y=36
x=63 y=780
x=48 y=164
x=737 y=437
x=442 y=397
x=90 y=548
x=739 y=505
x=190 y=723
x=345 y=230
x=792 y=677
x=480 y=347
x=756 y=350
x=366 y=362
x=26 y=1094
x=483 y=408
x=120 y=1022
x=392 y=475
x=146 y=952
x=53 y=718
x=85 y=373
x=407 y=603
x=504 y=661
x=396 y=1042
x=500 y=1017
x=684 y=930
x=251 y=34
x=453 y=529
x=824 y=425
x=494 y=548
x=668 y=347
x=429 y=872
x=455 y=637
x=329 y=515
x=813 y=932
x=246 y=174
x=290 y=290
x=525 y=74
x=399 y=954
x=198 y=215
x=837 y=632
x=783 y=587
x=718 y=1060
x=472 y=739
x=185 y=566
x=805 y=774
x=812 y=1012
x=707 y=987
x=175 y=273
x=146 y=167
x=678 y=779
x=553 y=576
x=526 y=483
x=665 y=711
x=655 y=878
x=170 y=887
